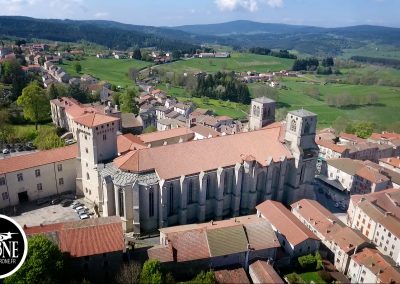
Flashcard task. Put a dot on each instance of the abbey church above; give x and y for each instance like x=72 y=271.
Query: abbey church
x=196 y=181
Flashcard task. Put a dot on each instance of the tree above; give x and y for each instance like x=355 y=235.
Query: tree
x=151 y=272
x=340 y=124
x=79 y=93
x=364 y=129
x=137 y=54
x=52 y=92
x=133 y=74
x=204 y=278
x=129 y=273
x=313 y=92
x=307 y=262
x=48 y=139
x=128 y=101
x=44 y=263
x=34 y=103
x=77 y=67
x=12 y=74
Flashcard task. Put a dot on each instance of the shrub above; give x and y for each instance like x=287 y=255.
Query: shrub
x=151 y=272
x=307 y=262
x=294 y=278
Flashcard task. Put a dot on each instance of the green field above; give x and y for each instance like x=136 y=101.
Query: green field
x=234 y=110
x=373 y=50
x=239 y=62
x=384 y=113
x=114 y=71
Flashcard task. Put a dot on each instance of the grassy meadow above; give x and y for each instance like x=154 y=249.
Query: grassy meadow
x=384 y=113
x=112 y=70
x=239 y=62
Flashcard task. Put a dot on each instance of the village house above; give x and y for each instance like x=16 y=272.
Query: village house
x=377 y=216
x=64 y=110
x=231 y=274
x=391 y=163
x=37 y=175
x=369 y=266
x=293 y=236
x=340 y=242
x=95 y=246
x=354 y=176
x=237 y=241
x=262 y=271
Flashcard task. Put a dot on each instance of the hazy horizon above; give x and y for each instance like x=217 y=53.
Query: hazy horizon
x=329 y=13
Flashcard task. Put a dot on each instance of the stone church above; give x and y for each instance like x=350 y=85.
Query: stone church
x=197 y=181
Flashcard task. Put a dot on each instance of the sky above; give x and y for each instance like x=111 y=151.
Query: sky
x=325 y=13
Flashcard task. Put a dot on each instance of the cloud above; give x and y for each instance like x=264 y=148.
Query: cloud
x=101 y=15
x=14 y=7
x=247 y=5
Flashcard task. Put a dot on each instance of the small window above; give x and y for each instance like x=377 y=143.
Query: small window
x=20 y=177
x=87 y=150
x=87 y=176
x=4 y=195
x=39 y=187
x=37 y=173
x=60 y=181
x=85 y=137
x=59 y=167
x=104 y=137
x=2 y=181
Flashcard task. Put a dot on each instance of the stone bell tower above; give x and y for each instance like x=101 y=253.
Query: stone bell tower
x=262 y=113
x=301 y=126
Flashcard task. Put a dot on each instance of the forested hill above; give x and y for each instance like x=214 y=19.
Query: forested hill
x=110 y=35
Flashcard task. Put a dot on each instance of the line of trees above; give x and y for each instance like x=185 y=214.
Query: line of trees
x=283 y=53
x=308 y=64
x=223 y=86
x=347 y=100
x=391 y=62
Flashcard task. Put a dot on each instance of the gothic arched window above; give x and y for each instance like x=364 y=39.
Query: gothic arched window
x=171 y=199
x=121 y=203
x=226 y=183
x=254 y=110
x=151 y=202
x=293 y=126
x=208 y=185
x=190 y=192
x=307 y=128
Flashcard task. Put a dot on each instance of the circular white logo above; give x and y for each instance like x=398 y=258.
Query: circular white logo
x=13 y=246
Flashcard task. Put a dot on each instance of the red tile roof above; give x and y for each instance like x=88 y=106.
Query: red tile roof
x=221 y=151
x=231 y=275
x=95 y=119
x=265 y=273
x=330 y=145
x=352 y=137
x=378 y=265
x=150 y=138
x=37 y=159
x=128 y=142
x=285 y=222
x=86 y=237
x=394 y=162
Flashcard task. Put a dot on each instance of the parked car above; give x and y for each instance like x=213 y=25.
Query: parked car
x=84 y=216
x=6 y=151
x=42 y=201
x=69 y=141
x=56 y=201
x=80 y=208
x=76 y=205
x=66 y=202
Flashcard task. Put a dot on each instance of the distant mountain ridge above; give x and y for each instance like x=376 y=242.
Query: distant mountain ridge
x=306 y=39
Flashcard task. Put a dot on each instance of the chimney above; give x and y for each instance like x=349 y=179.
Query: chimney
x=109 y=104
x=388 y=214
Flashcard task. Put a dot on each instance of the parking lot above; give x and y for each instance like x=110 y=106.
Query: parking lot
x=33 y=215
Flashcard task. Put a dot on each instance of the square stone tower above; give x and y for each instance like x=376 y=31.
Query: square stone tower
x=262 y=113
